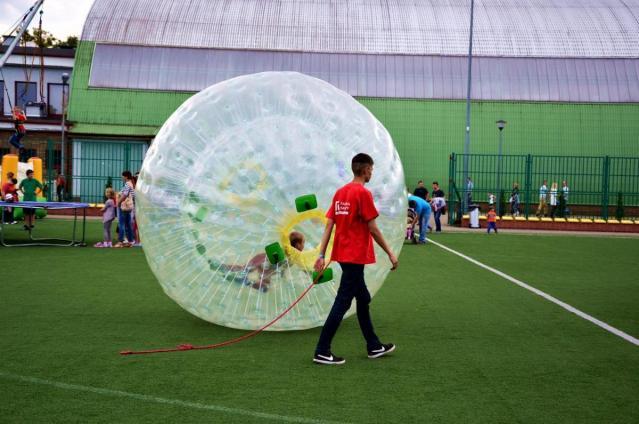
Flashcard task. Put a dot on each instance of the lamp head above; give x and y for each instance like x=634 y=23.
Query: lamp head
x=501 y=124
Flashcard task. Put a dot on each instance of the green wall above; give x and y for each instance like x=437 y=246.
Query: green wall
x=425 y=131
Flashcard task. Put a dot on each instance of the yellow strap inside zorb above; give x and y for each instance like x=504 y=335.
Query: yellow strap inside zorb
x=306 y=259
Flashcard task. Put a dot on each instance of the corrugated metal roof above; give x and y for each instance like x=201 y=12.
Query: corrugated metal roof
x=394 y=76
x=541 y=28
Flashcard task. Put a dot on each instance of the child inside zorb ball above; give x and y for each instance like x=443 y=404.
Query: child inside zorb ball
x=258 y=271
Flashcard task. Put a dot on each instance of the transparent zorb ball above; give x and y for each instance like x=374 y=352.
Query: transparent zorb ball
x=219 y=184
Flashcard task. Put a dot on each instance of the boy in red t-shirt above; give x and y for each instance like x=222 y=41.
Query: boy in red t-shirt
x=353 y=213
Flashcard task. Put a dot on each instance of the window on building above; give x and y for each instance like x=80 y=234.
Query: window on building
x=26 y=92
x=54 y=96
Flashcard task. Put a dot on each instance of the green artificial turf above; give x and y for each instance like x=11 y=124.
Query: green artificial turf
x=472 y=347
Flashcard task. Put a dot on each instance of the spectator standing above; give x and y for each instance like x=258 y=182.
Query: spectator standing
x=60 y=184
x=565 y=191
x=437 y=192
x=125 y=206
x=134 y=218
x=543 y=193
x=29 y=186
x=7 y=187
x=421 y=191
x=469 y=191
x=514 y=200
x=9 y=195
x=553 y=199
x=438 y=205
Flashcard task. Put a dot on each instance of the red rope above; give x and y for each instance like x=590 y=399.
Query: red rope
x=253 y=333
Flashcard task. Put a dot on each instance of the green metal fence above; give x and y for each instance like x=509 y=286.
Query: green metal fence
x=91 y=165
x=601 y=186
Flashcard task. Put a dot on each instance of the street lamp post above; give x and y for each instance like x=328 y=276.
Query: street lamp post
x=63 y=147
x=501 y=124
x=469 y=86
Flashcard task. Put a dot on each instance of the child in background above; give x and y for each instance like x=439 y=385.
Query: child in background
x=9 y=195
x=19 y=119
x=492 y=220
x=29 y=186
x=108 y=216
x=491 y=200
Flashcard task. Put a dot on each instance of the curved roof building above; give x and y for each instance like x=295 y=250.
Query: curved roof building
x=563 y=73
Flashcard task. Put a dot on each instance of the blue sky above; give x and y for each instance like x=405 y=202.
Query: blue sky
x=61 y=17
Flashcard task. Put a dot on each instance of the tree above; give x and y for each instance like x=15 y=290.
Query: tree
x=41 y=38
x=70 y=43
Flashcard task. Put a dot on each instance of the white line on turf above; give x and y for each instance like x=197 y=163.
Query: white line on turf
x=164 y=401
x=546 y=296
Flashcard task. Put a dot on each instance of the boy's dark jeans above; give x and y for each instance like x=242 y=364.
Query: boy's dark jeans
x=438 y=223
x=351 y=286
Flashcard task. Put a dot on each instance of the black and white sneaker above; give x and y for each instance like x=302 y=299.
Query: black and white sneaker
x=381 y=351
x=329 y=359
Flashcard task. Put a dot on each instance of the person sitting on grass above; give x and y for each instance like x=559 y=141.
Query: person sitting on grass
x=109 y=212
x=492 y=220
x=28 y=186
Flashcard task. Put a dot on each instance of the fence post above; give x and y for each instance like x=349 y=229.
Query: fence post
x=604 y=187
x=48 y=161
x=451 y=179
x=127 y=156
x=527 y=183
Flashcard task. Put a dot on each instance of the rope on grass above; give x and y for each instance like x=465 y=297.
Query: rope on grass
x=184 y=347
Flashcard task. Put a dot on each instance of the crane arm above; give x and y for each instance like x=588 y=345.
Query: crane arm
x=22 y=27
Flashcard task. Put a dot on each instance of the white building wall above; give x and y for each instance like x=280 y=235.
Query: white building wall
x=16 y=70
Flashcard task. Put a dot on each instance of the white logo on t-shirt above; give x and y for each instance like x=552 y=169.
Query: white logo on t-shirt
x=342 y=208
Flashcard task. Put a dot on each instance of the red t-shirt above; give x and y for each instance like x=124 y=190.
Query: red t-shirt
x=19 y=119
x=352 y=208
x=7 y=188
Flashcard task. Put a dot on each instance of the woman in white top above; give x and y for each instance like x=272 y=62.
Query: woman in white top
x=553 y=199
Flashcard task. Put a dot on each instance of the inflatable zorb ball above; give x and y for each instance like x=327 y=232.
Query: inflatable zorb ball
x=219 y=184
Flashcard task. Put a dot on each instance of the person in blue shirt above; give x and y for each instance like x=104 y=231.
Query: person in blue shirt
x=423 y=209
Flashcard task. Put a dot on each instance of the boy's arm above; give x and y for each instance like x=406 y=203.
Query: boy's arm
x=379 y=238
x=328 y=230
x=414 y=223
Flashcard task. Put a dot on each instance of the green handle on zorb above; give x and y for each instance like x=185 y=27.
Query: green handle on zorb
x=275 y=253
x=325 y=278
x=306 y=203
